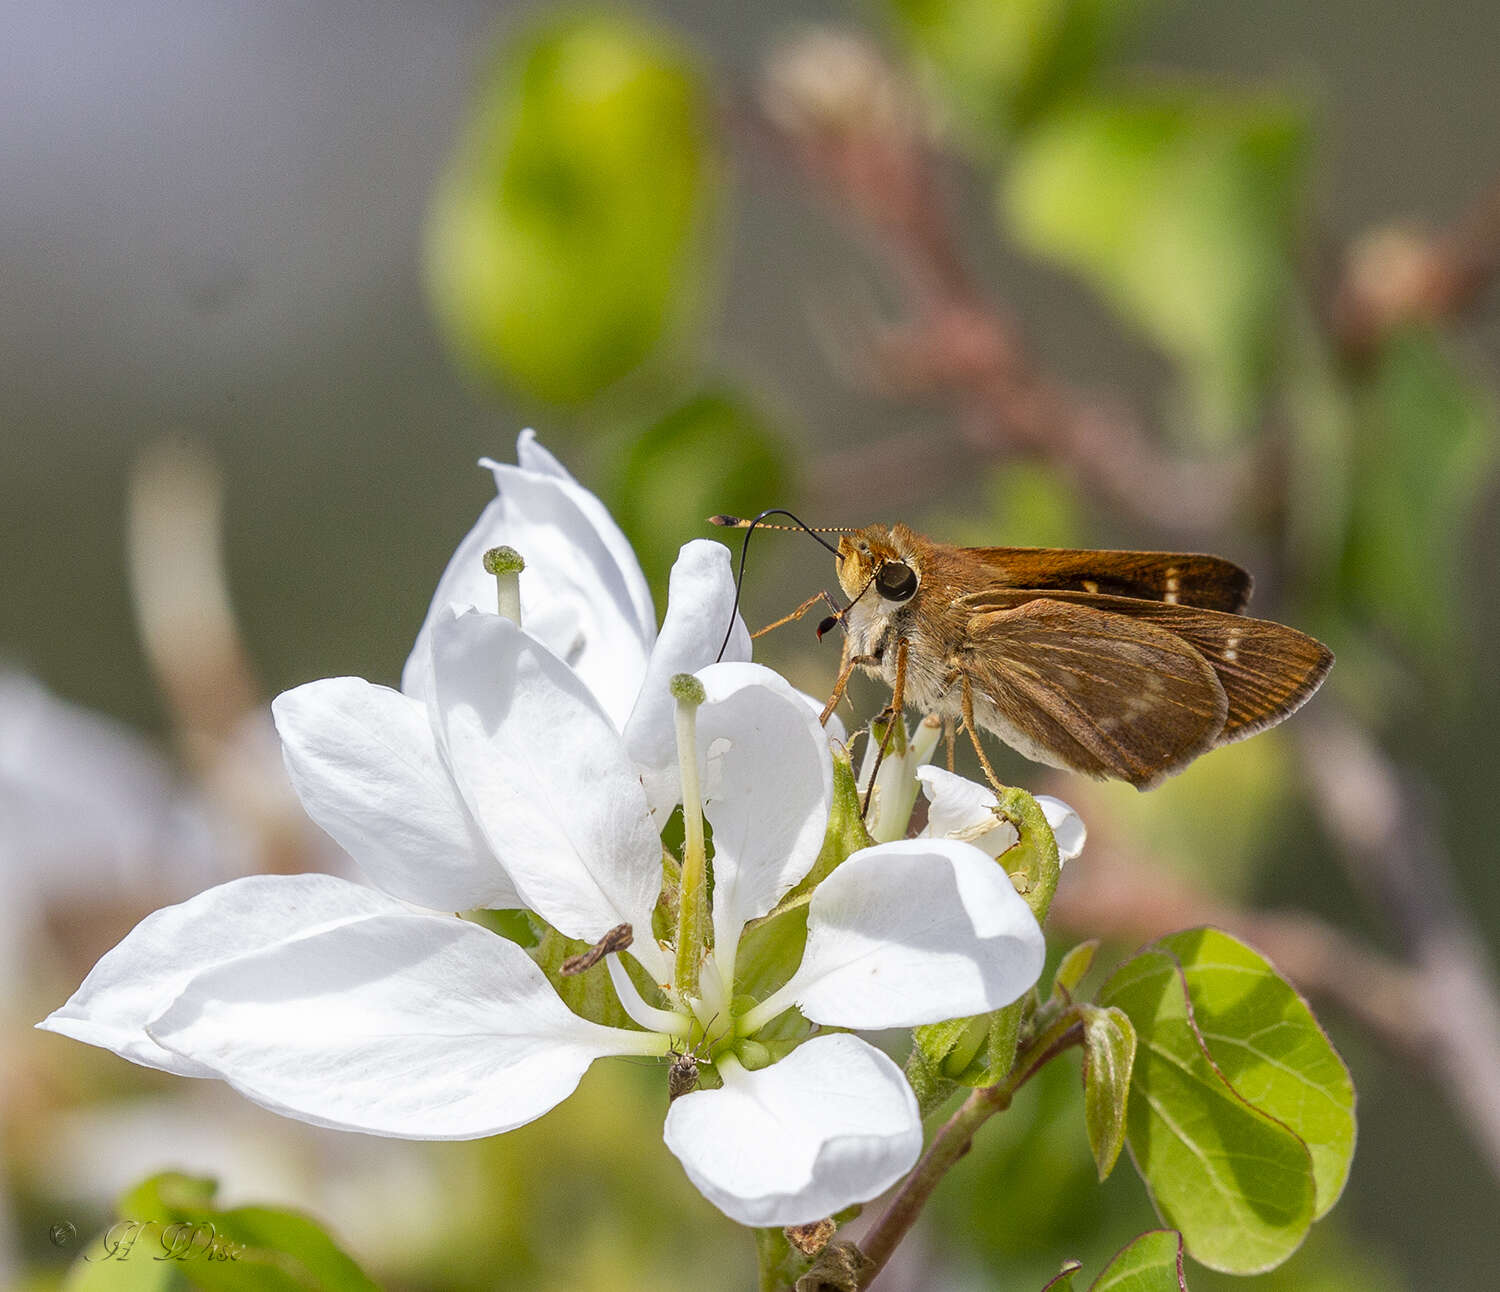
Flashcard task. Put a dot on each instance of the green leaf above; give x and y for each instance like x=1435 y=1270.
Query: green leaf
x=564 y=235
x=1062 y=1281
x=1233 y=1179
x=245 y=1249
x=1424 y=445
x=1073 y=967
x=1180 y=207
x=1150 y=1263
x=95 y=1271
x=168 y=1196
x=281 y=1250
x=714 y=453
x=1108 y=1057
x=1003 y=65
x=1266 y=1043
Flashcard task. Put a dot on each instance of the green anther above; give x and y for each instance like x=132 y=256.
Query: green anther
x=506 y=564
x=503 y=560
x=687 y=689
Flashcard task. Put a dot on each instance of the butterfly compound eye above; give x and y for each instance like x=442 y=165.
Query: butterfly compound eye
x=896 y=581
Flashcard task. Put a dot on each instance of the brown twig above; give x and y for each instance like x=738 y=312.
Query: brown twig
x=1393 y=853
x=953 y=1141
x=1398 y=275
x=858 y=138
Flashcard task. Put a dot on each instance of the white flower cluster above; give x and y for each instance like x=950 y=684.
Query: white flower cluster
x=533 y=765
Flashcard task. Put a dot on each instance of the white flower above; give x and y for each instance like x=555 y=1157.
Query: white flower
x=366 y=759
x=963 y=809
x=340 y=1006
x=531 y=766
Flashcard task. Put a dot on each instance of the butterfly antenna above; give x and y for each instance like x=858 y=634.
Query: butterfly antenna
x=750 y=526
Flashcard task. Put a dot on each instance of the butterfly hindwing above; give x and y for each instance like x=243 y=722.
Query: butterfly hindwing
x=1106 y=694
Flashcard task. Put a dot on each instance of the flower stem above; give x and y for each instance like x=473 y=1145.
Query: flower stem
x=779 y=1266
x=692 y=899
x=955 y=1139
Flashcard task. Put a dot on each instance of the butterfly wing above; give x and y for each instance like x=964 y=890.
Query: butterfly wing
x=1105 y=694
x=1268 y=671
x=1181 y=578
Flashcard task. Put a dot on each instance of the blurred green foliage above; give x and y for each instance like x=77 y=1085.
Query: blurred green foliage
x=1004 y=65
x=171 y=1235
x=564 y=237
x=1179 y=206
x=1425 y=441
x=714 y=453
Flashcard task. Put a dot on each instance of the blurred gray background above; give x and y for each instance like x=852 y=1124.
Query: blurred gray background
x=210 y=222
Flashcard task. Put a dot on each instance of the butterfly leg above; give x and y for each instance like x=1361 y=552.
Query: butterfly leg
x=898 y=703
x=950 y=739
x=846 y=670
x=824 y=596
x=966 y=700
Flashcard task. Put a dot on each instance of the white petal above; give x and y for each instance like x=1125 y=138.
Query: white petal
x=963 y=809
x=833 y=1123
x=700 y=600
x=834 y=728
x=531 y=456
x=417 y=1026
x=545 y=777
x=915 y=932
x=582 y=593
x=155 y=961
x=365 y=764
x=767 y=783
x=1067 y=827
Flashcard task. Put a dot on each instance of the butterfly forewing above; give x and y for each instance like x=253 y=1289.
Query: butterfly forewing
x=1105 y=694
x=1267 y=670
x=1181 y=578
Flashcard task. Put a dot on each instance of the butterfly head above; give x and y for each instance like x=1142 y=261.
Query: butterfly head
x=879 y=562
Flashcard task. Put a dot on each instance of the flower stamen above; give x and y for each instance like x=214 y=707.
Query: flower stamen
x=667 y=1022
x=506 y=564
x=692 y=898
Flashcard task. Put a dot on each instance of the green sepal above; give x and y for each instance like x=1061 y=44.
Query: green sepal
x=976 y=1051
x=769 y=952
x=846 y=833
x=518 y=926
x=926 y=1079
x=589 y=994
x=1032 y=860
x=1108 y=1058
